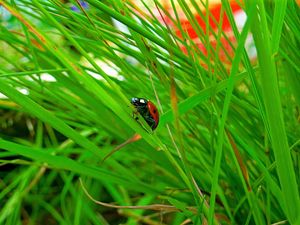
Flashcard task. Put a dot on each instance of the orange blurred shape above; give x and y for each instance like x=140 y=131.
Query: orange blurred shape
x=214 y=19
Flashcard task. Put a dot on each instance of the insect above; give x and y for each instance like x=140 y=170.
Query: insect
x=147 y=110
x=150 y=114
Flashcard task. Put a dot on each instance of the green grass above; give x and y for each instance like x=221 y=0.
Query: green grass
x=226 y=150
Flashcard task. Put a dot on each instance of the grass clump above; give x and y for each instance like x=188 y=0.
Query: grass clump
x=226 y=150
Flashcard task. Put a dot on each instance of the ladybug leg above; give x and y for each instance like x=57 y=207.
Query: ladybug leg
x=134 y=115
x=151 y=122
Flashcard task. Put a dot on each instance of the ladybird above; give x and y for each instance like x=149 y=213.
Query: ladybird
x=147 y=110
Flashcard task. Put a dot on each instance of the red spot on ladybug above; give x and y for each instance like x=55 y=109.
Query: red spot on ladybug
x=147 y=110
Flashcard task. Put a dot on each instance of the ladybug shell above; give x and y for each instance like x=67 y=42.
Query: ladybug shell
x=153 y=112
x=147 y=110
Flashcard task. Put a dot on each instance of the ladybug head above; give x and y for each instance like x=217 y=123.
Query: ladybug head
x=139 y=101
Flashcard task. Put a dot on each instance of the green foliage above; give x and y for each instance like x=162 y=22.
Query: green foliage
x=226 y=150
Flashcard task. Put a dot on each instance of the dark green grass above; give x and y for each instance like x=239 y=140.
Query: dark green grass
x=226 y=150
